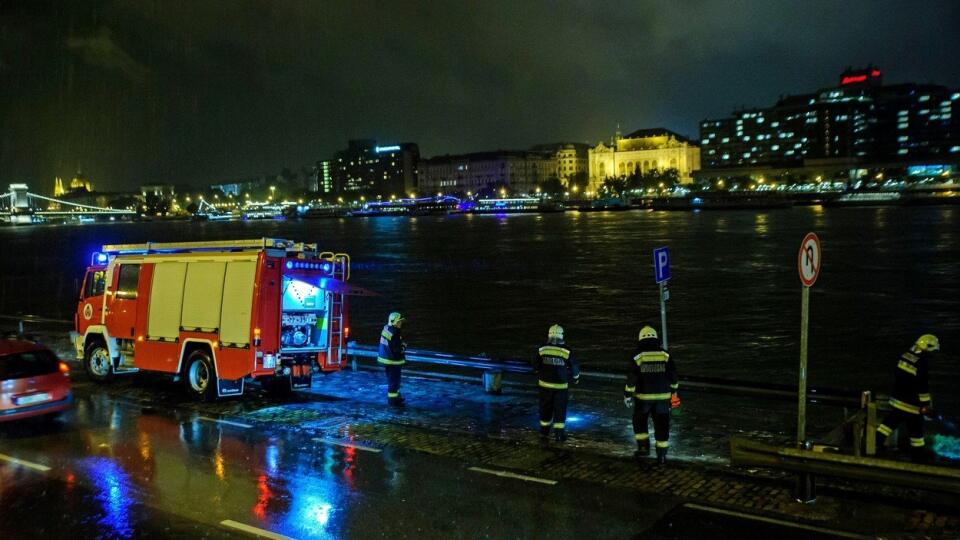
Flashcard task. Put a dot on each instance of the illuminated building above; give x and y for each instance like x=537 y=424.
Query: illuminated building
x=517 y=170
x=571 y=159
x=837 y=131
x=643 y=151
x=163 y=191
x=58 y=187
x=81 y=182
x=368 y=168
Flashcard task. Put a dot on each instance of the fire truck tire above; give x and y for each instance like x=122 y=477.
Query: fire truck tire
x=199 y=376
x=97 y=362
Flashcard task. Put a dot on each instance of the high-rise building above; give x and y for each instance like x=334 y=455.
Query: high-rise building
x=368 y=168
x=643 y=151
x=517 y=170
x=836 y=131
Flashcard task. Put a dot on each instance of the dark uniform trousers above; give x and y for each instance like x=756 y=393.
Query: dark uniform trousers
x=642 y=411
x=393 y=380
x=553 y=409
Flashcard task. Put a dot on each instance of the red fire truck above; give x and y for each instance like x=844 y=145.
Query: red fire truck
x=215 y=314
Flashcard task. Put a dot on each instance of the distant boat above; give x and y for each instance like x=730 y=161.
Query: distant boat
x=425 y=206
x=865 y=199
x=519 y=205
x=721 y=201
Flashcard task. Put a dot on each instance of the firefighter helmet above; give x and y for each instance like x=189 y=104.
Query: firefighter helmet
x=927 y=343
x=555 y=332
x=647 y=332
x=394 y=318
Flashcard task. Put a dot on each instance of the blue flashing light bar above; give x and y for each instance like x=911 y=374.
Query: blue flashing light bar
x=99 y=259
x=325 y=267
x=392 y=148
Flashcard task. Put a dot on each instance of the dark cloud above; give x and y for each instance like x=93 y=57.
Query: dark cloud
x=99 y=49
x=191 y=91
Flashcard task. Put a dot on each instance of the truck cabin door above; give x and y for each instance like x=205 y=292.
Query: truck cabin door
x=90 y=305
x=122 y=303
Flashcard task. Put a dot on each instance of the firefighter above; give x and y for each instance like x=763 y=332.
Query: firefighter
x=910 y=399
x=392 y=357
x=651 y=385
x=555 y=368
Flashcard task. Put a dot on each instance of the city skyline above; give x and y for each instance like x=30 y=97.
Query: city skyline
x=152 y=95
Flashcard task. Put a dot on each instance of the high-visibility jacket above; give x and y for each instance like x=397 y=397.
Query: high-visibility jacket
x=911 y=387
x=555 y=367
x=652 y=376
x=392 y=347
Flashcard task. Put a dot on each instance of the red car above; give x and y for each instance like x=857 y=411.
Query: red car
x=33 y=381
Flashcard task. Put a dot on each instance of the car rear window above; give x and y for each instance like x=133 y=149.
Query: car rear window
x=28 y=364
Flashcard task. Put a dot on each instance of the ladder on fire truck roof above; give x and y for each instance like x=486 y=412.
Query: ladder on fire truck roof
x=211 y=246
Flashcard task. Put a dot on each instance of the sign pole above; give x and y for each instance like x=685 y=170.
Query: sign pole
x=802 y=391
x=809 y=261
x=663 y=315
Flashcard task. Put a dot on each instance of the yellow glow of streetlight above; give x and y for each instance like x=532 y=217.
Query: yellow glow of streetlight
x=503 y=192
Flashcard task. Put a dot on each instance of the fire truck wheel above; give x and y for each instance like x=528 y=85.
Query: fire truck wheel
x=97 y=362
x=200 y=377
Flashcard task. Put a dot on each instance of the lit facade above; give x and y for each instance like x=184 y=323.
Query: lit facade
x=641 y=152
x=368 y=168
x=571 y=159
x=518 y=171
x=163 y=191
x=854 y=125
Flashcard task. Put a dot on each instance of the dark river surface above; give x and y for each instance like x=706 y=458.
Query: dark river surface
x=494 y=284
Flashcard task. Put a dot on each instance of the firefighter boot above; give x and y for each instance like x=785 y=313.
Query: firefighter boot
x=544 y=435
x=643 y=449
x=560 y=435
x=661 y=456
x=396 y=401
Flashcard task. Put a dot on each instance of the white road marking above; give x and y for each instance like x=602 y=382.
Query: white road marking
x=22 y=463
x=348 y=445
x=253 y=530
x=508 y=474
x=227 y=422
x=774 y=521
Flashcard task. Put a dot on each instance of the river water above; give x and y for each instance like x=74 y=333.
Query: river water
x=494 y=284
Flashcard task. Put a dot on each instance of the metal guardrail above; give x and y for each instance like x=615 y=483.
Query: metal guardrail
x=696 y=383
x=745 y=452
x=445 y=359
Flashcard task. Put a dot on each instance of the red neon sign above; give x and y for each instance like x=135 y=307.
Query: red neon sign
x=851 y=79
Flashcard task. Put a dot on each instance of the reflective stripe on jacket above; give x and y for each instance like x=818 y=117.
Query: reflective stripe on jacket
x=391 y=352
x=652 y=376
x=555 y=367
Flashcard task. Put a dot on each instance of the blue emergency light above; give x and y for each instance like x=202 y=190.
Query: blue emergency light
x=98 y=259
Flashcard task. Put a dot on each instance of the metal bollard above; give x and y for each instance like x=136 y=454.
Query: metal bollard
x=806 y=490
x=493 y=382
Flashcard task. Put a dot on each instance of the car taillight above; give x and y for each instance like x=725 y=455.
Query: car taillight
x=64 y=368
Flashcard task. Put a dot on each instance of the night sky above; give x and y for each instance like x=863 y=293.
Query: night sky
x=200 y=91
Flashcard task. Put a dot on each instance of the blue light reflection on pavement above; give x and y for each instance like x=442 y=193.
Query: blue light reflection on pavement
x=113 y=493
x=305 y=499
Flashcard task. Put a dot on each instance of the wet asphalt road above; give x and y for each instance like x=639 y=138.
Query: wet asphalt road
x=118 y=469
x=119 y=466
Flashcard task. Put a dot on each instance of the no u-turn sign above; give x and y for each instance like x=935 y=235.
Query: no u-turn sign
x=808 y=260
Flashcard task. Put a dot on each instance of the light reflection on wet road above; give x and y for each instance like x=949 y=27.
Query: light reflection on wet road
x=118 y=470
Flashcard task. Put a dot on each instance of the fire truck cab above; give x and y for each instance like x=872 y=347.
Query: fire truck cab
x=214 y=314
